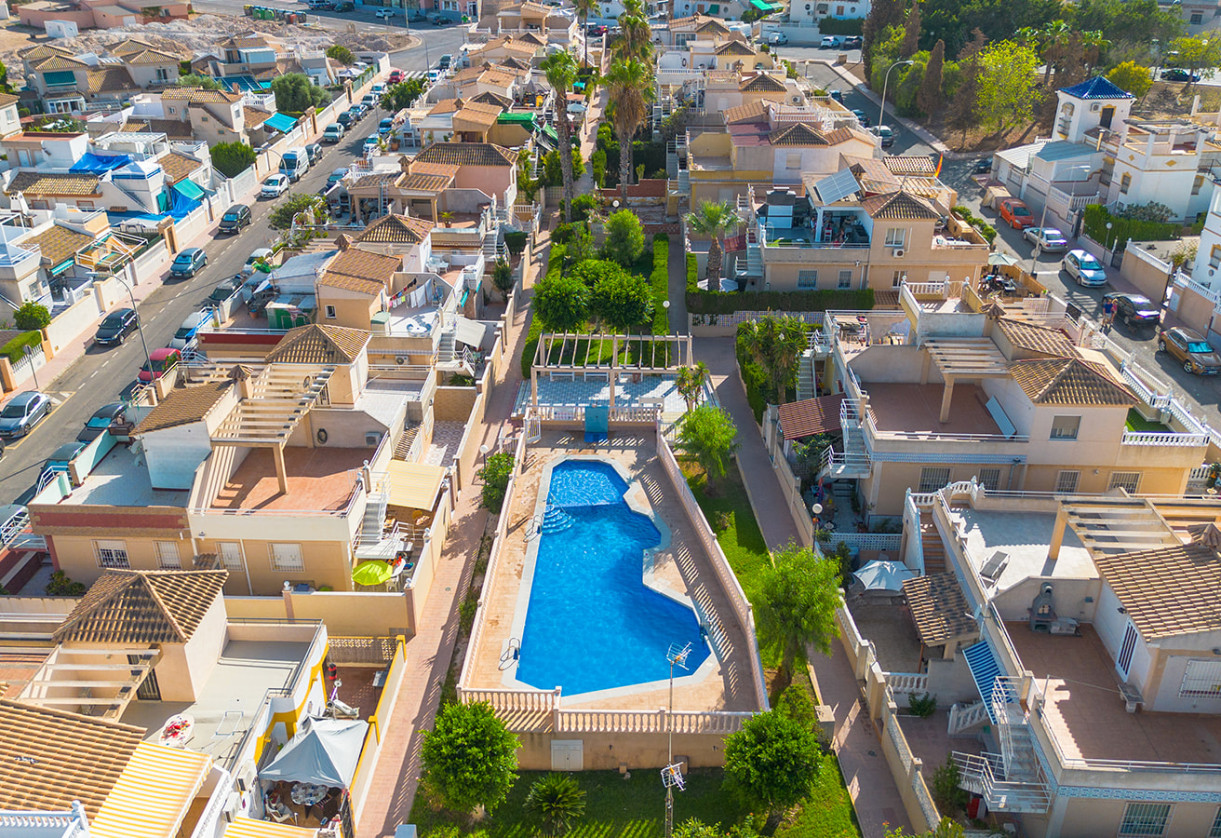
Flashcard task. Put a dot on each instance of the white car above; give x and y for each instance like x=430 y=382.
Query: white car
x=378 y=89
x=1049 y=239
x=371 y=143
x=828 y=42
x=274 y=186
x=385 y=14
x=1084 y=268
x=777 y=39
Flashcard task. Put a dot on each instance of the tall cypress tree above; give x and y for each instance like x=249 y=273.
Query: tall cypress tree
x=882 y=13
x=929 y=99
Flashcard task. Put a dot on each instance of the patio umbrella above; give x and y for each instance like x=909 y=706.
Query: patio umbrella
x=884 y=576
x=998 y=258
x=372 y=573
x=576 y=108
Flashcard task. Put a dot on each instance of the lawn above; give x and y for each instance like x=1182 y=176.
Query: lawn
x=1138 y=424
x=828 y=812
x=633 y=808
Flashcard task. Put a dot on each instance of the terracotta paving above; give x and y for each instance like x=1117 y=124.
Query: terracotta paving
x=318 y=479
x=917 y=407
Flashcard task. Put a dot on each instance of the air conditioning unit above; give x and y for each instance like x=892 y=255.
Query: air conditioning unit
x=372 y=438
x=899 y=252
x=1095 y=108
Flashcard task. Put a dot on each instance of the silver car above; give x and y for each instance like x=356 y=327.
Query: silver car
x=22 y=413
x=1048 y=239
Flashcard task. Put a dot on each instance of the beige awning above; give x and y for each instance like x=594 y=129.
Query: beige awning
x=414 y=485
x=250 y=828
x=153 y=794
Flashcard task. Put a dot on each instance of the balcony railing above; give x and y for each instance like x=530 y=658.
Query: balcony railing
x=1165 y=439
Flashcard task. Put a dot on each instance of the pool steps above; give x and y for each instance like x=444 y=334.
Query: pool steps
x=555 y=519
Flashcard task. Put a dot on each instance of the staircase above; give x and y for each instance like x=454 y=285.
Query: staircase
x=445 y=349
x=964 y=717
x=852 y=461
x=493 y=248
x=1013 y=780
x=805 y=376
x=375 y=516
x=934 y=548
x=555 y=519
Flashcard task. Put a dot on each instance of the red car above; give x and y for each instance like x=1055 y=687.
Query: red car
x=395 y=77
x=1016 y=214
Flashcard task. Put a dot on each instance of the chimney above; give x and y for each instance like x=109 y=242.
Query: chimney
x=342 y=242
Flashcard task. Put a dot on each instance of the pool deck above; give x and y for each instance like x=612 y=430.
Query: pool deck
x=682 y=566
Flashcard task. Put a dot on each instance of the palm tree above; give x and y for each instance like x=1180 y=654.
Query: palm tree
x=584 y=7
x=555 y=801
x=715 y=220
x=690 y=383
x=1054 y=38
x=636 y=36
x=775 y=343
x=630 y=82
x=561 y=71
x=800 y=595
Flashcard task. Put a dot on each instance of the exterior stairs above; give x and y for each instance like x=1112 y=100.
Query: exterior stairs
x=934 y=549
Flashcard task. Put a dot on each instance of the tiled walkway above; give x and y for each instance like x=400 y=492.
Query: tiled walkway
x=429 y=652
x=444 y=447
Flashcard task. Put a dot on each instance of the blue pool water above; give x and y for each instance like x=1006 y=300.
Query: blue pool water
x=591 y=623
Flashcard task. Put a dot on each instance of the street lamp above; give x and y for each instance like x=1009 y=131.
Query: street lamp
x=1108 y=247
x=885 y=82
x=139 y=327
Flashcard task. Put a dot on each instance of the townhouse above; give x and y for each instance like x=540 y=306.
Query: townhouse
x=68 y=83
x=65 y=18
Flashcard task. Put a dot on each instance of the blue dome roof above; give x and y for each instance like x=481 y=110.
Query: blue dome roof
x=1097 y=88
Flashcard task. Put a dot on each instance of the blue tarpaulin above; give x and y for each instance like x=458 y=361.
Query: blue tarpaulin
x=281 y=122
x=182 y=206
x=94 y=163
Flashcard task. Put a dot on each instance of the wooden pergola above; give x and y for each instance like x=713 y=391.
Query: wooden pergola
x=609 y=355
x=75 y=679
x=1111 y=526
x=957 y=358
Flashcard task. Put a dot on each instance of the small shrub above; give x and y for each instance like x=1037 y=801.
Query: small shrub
x=31 y=316
x=61 y=585
x=502 y=276
x=796 y=703
x=555 y=801
x=922 y=705
x=583 y=206
x=515 y=241
x=467 y=609
x=722 y=521
x=950 y=798
x=495 y=474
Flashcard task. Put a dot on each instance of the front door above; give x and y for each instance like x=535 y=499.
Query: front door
x=1108 y=113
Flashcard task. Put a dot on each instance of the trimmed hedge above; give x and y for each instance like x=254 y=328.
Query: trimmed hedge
x=985 y=229
x=660 y=281
x=728 y=302
x=555 y=267
x=693 y=276
x=1122 y=229
x=14 y=350
x=845 y=26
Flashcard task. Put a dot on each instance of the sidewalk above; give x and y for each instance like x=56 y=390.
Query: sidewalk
x=589 y=139
x=398 y=770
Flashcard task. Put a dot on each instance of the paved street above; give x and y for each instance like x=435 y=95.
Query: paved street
x=103 y=374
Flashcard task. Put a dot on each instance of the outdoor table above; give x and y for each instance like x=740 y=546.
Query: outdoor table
x=307 y=794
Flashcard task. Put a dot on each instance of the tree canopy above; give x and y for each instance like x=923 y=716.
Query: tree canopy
x=624 y=237
x=402 y=95
x=231 y=159
x=1132 y=77
x=772 y=762
x=1007 y=83
x=295 y=92
x=281 y=218
x=341 y=54
x=470 y=757
x=623 y=302
x=709 y=435
x=198 y=80
x=561 y=302
x=800 y=593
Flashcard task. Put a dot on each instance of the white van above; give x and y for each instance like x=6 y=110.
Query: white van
x=294 y=164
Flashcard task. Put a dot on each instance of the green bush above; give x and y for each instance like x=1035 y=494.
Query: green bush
x=515 y=241
x=555 y=267
x=495 y=474
x=1123 y=229
x=836 y=26
x=582 y=206
x=985 y=229
x=660 y=282
x=14 y=350
x=31 y=317
x=721 y=302
x=693 y=277
x=61 y=585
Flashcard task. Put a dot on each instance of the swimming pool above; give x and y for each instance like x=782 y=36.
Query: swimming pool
x=591 y=623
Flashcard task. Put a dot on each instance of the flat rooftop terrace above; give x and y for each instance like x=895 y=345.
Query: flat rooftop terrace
x=682 y=567
x=230 y=698
x=916 y=409
x=1024 y=536
x=121 y=479
x=319 y=480
x=1085 y=711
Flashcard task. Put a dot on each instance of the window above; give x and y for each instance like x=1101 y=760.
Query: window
x=230 y=554
x=1065 y=427
x=1197 y=18
x=84 y=205
x=111 y=554
x=171 y=110
x=898 y=279
x=286 y=557
x=990 y=478
x=1197 y=184
x=793 y=160
x=1129 y=481
x=845 y=279
x=1214 y=256
x=330 y=312
x=839 y=11
x=1125 y=183
x=167 y=554
x=807 y=279
x=163 y=74
x=1215 y=832
x=1066 y=482
x=1201 y=679
x=895 y=237
x=932 y=479
x=1145 y=819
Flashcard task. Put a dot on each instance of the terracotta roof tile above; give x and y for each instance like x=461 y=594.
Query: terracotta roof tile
x=755 y=111
x=797 y=134
x=470 y=119
x=46 y=183
x=734 y=47
x=7 y=99
x=1034 y=338
x=42 y=51
x=760 y=82
x=182 y=406
x=151 y=56
x=109 y=80
x=446 y=106
x=938 y=608
x=319 y=344
x=128 y=47
x=58 y=244
x=909 y=164
x=199 y=96
x=59 y=62
x=53 y=757
x=898 y=206
x=368 y=287
x=710 y=24
x=396 y=229
x=1069 y=381
x=1170 y=591
x=810 y=416
x=138 y=607
x=467 y=154
x=363 y=264
x=178 y=166
x=487 y=97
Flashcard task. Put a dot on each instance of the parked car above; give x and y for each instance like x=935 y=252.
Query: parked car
x=185 y=337
x=333 y=133
x=837 y=95
x=777 y=39
x=369 y=101
x=314 y=152
x=188 y=263
x=1179 y=74
x=371 y=142
x=116 y=327
x=62 y=457
x=225 y=289
x=885 y=133
x=23 y=413
x=336 y=176
x=1133 y=309
x=1196 y=354
x=1048 y=239
x=1084 y=268
x=345 y=119
x=861 y=117
x=346 y=6
x=385 y=126
x=396 y=77
x=358 y=111
x=378 y=89
x=274 y=186
x=384 y=14
x=445 y=61
x=828 y=42
x=234 y=219
x=854 y=42
x=1016 y=214
x=161 y=361
x=262 y=254
x=100 y=421
x=982 y=167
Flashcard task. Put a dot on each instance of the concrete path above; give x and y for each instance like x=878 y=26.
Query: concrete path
x=766 y=497
x=429 y=652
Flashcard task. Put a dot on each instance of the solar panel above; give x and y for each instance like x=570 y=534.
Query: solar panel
x=837 y=187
